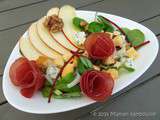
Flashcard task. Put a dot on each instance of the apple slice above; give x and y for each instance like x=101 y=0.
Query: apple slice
x=45 y=36
x=27 y=49
x=61 y=39
x=59 y=36
x=67 y=13
x=42 y=47
x=53 y=11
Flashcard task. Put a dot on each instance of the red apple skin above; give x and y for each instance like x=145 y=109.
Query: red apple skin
x=59 y=42
x=69 y=40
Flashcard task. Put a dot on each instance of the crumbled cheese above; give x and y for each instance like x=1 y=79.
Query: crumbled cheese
x=80 y=37
x=51 y=73
x=132 y=53
x=122 y=52
x=130 y=63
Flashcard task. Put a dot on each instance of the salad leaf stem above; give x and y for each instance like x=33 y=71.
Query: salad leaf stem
x=116 y=27
x=83 y=64
x=68 y=95
x=142 y=44
x=107 y=26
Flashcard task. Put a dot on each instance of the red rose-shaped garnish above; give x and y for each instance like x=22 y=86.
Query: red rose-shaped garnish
x=97 y=85
x=27 y=75
x=99 y=46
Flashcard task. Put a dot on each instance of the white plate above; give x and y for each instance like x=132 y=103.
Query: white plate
x=38 y=104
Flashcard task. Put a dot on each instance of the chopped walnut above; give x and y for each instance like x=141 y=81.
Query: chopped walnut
x=54 y=23
x=85 y=54
x=83 y=23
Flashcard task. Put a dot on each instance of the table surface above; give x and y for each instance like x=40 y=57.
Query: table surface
x=139 y=101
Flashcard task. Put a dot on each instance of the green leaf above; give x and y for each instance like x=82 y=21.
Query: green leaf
x=87 y=63
x=47 y=83
x=84 y=64
x=75 y=91
x=129 y=69
x=68 y=78
x=77 y=21
x=135 y=37
x=63 y=87
x=107 y=26
x=95 y=27
x=63 y=82
x=57 y=92
x=81 y=68
x=126 y=30
x=68 y=95
x=46 y=91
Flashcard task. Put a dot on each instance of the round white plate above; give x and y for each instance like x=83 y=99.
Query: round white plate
x=38 y=104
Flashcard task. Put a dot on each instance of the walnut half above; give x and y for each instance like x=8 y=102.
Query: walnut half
x=54 y=23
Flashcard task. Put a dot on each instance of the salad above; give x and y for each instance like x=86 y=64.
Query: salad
x=65 y=56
